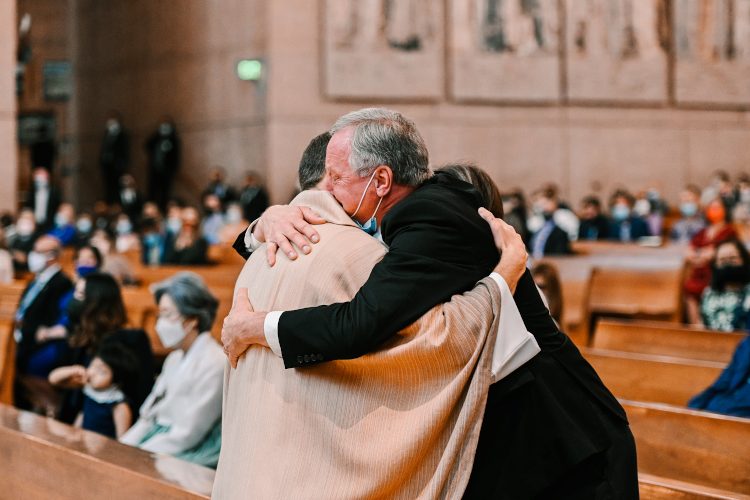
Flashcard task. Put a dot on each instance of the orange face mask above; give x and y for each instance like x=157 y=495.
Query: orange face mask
x=715 y=214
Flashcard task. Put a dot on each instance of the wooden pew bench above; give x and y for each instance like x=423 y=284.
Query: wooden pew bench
x=10 y=296
x=45 y=459
x=657 y=379
x=659 y=488
x=666 y=339
x=696 y=447
x=575 y=282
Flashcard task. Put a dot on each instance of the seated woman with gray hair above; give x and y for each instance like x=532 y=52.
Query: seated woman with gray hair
x=182 y=415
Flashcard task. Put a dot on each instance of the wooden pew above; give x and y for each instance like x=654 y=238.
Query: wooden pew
x=659 y=488
x=665 y=339
x=697 y=447
x=7 y=362
x=575 y=281
x=45 y=459
x=637 y=294
x=657 y=379
x=10 y=296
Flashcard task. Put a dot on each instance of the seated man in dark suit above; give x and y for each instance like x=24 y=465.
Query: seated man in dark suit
x=550 y=239
x=594 y=225
x=548 y=425
x=38 y=310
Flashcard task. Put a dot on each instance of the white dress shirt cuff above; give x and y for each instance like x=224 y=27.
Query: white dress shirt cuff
x=514 y=345
x=251 y=243
x=271 y=329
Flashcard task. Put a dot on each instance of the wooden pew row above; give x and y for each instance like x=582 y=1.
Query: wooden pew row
x=659 y=488
x=575 y=281
x=10 y=296
x=46 y=459
x=7 y=362
x=696 y=447
x=666 y=339
x=637 y=294
x=656 y=379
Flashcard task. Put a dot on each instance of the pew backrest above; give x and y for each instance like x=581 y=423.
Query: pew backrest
x=665 y=339
x=657 y=379
x=659 y=488
x=692 y=446
x=637 y=293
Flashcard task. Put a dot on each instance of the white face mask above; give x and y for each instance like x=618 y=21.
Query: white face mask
x=37 y=262
x=170 y=333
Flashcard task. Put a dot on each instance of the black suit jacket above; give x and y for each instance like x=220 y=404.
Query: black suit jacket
x=43 y=311
x=558 y=243
x=540 y=421
x=438 y=246
x=53 y=204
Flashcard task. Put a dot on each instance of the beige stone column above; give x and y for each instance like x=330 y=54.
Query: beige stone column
x=8 y=143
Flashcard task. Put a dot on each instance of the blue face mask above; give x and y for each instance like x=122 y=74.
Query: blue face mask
x=688 y=209
x=84 y=270
x=620 y=212
x=371 y=226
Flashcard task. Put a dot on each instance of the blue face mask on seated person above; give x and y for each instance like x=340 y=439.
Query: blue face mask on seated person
x=371 y=226
x=688 y=209
x=620 y=212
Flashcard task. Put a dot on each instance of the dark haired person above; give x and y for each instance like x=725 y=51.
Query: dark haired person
x=98 y=316
x=725 y=304
x=514 y=213
x=253 y=197
x=691 y=221
x=489 y=193
x=182 y=415
x=311 y=171
x=626 y=226
x=107 y=382
x=547 y=279
x=594 y=224
x=549 y=238
x=701 y=252
x=189 y=247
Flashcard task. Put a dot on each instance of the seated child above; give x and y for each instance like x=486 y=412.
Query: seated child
x=105 y=383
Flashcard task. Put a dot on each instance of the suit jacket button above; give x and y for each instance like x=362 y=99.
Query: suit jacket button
x=299 y=359
x=320 y=357
x=307 y=358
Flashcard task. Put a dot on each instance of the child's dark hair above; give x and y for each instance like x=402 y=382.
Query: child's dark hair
x=123 y=363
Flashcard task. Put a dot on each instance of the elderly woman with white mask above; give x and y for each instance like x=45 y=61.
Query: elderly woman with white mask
x=182 y=415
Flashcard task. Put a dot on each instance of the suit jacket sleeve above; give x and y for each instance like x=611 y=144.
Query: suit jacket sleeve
x=433 y=254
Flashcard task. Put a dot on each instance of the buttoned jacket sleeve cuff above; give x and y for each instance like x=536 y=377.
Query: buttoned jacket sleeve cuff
x=251 y=243
x=271 y=330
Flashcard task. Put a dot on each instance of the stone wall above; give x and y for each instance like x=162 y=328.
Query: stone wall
x=8 y=148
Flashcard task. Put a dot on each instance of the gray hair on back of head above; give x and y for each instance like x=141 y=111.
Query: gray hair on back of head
x=191 y=296
x=384 y=137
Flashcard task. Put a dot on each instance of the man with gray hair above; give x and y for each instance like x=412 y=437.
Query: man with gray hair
x=551 y=428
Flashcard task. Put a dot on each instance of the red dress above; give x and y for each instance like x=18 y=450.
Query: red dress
x=700 y=275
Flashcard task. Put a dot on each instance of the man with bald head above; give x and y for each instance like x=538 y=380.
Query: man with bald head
x=40 y=308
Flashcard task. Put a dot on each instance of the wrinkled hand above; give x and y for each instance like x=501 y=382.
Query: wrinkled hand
x=513 y=256
x=242 y=328
x=282 y=225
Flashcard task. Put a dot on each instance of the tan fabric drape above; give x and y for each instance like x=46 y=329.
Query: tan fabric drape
x=399 y=423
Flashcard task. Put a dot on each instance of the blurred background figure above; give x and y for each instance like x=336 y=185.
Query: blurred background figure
x=45 y=199
x=253 y=196
x=594 y=224
x=234 y=223
x=84 y=230
x=65 y=229
x=127 y=239
x=514 y=210
x=214 y=219
x=114 y=156
x=152 y=241
x=700 y=253
x=625 y=226
x=129 y=198
x=218 y=186
x=549 y=238
x=547 y=279
x=190 y=247
x=651 y=208
x=163 y=149
x=6 y=261
x=113 y=263
x=23 y=241
x=691 y=220
x=720 y=187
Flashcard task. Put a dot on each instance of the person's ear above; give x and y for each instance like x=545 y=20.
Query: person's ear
x=190 y=324
x=383 y=180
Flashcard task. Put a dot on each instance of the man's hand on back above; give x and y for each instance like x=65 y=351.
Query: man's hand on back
x=242 y=328
x=282 y=225
x=509 y=243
